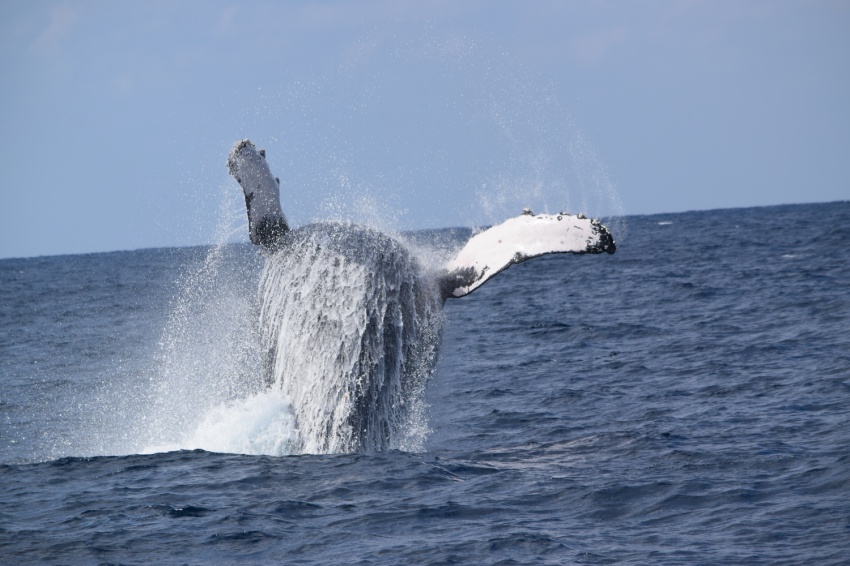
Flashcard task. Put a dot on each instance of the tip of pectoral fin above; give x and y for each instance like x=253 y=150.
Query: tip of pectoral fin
x=606 y=241
x=602 y=241
x=242 y=150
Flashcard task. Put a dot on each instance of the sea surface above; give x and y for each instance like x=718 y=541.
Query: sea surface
x=683 y=401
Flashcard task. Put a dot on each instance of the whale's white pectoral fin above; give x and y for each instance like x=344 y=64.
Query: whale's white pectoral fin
x=266 y=223
x=519 y=239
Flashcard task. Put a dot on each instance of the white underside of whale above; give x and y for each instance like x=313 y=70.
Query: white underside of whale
x=521 y=238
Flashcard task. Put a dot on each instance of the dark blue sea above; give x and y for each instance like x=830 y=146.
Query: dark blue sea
x=683 y=401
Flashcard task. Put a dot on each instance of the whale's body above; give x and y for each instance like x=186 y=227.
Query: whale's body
x=351 y=319
x=352 y=323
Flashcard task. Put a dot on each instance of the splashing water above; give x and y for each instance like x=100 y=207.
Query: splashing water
x=209 y=361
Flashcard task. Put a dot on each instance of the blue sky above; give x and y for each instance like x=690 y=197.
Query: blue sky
x=118 y=116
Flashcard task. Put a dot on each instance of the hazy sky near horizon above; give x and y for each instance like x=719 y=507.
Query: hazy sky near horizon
x=118 y=116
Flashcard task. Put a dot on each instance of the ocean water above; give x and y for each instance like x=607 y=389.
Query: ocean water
x=683 y=401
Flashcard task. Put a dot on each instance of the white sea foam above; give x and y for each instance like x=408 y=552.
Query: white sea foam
x=260 y=424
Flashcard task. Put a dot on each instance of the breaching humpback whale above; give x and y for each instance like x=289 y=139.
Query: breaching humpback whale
x=351 y=319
